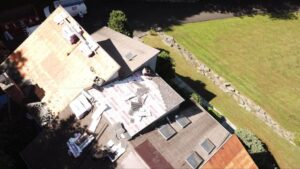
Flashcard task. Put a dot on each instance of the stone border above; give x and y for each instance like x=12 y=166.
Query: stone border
x=227 y=87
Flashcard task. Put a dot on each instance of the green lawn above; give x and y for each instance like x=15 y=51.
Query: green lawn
x=258 y=55
x=286 y=154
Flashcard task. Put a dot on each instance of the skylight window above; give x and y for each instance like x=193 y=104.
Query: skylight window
x=194 y=160
x=167 y=131
x=208 y=146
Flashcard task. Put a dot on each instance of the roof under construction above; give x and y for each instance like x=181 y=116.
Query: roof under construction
x=137 y=101
x=62 y=58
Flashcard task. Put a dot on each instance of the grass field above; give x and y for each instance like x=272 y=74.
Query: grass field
x=286 y=154
x=258 y=55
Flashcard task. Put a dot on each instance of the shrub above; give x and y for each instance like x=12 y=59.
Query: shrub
x=196 y=97
x=118 y=22
x=252 y=143
x=215 y=114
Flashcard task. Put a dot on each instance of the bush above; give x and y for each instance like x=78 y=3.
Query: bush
x=196 y=97
x=118 y=22
x=215 y=114
x=252 y=143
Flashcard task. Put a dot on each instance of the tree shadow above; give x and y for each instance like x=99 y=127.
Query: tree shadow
x=199 y=87
x=263 y=159
x=51 y=145
x=145 y=15
x=165 y=67
x=15 y=133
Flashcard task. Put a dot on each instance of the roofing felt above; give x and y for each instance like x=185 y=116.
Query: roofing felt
x=231 y=155
x=120 y=46
x=137 y=101
x=59 y=68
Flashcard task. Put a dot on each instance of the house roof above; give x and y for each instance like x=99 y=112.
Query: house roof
x=59 y=68
x=231 y=155
x=137 y=101
x=187 y=140
x=119 y=45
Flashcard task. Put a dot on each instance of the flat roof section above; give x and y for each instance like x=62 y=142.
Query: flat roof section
x=59 y=68
x=137 y=101
x=122 y=47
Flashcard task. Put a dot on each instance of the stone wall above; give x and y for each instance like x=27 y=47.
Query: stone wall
x=227 y=87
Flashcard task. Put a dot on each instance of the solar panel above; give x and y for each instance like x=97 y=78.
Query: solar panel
x=129 y=56
x=166 y=131
x=208 y=146
x=194 y=160
x=182 y=120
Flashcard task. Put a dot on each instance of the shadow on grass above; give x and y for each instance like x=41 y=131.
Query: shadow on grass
x=145 y=15
x=265 y=160
x=199 y=87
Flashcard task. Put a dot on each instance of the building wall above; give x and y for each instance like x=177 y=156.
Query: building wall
x=152 y=63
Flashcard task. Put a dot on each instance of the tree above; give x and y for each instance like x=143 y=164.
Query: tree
x=118 y=22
